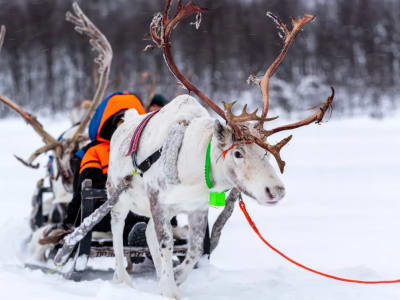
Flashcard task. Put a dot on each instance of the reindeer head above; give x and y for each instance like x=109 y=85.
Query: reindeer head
x=246 y=163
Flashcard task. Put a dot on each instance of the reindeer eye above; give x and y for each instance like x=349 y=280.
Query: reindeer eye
x=237 y=154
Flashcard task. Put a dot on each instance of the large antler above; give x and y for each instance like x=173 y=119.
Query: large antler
x=161 y=28
x=288 y=37
x=103 y=48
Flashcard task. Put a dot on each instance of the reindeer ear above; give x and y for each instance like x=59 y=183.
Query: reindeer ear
x=223 y=134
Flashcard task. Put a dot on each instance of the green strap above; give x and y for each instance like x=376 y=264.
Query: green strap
x=207 y=166
x=216 y=198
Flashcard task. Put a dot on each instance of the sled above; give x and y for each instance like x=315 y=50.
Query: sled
x=89 y=247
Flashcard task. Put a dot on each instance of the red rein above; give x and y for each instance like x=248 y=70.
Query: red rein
x=243 y=208
x=229 y=149
x=233 y=146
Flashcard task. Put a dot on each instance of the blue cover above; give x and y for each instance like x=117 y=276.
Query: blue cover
x=80 y=153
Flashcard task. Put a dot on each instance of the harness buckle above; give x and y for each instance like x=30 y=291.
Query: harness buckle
x=134 y=162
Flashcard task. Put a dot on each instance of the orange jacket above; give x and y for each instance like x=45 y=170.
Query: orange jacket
x=96 y=157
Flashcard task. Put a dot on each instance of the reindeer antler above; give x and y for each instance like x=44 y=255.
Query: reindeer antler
x=288 y=37
x=244 y=116
x=48 y=139
x=161 y=28
x=316 y=117
x=103 y=48
x=63 y=150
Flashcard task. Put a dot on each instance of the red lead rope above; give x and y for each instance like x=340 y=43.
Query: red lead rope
x=243 y=208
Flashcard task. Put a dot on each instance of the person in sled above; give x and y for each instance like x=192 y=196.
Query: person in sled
x=92 y=160
x=93 y=163
x=157 y=102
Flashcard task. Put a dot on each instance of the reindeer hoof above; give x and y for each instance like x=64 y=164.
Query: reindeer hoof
x=123 y=277
x=172 y=293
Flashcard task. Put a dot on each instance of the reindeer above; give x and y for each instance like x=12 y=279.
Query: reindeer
x=238 y=153
x=64 y=149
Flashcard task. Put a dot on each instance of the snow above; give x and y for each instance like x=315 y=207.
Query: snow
x=340 y=215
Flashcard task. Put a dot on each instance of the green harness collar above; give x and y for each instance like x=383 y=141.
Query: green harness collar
x=216 y=198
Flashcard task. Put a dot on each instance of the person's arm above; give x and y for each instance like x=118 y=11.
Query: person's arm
x=90 y=168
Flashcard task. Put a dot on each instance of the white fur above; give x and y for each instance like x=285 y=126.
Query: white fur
x=153 y=197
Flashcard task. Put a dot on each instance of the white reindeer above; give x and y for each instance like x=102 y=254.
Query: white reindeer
x=238 y=159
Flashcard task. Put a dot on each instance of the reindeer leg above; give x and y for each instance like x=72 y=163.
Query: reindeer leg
x=118 y=215
x=197 y=231
x=152 y=242
x=163 y=231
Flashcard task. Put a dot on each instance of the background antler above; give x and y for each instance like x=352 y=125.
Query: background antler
x=49 y=141
x=103 y=48
x=64 y=149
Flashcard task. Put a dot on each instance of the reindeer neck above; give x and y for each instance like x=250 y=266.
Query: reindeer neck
x=193 y=152
x=220 y=183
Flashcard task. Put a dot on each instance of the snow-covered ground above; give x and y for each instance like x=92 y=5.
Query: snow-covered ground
x=341 y=215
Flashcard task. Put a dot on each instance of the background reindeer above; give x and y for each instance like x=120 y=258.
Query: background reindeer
x=238 y=155
x=63 y=148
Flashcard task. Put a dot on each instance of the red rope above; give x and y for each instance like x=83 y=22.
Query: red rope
x=233 y=146
x=243 y=208
x=229 y=149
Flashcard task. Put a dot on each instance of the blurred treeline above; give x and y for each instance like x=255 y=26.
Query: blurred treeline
x=353 y=45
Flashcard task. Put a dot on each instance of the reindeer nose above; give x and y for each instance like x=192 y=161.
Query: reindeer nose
x=269 y=192
x=276 y=192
